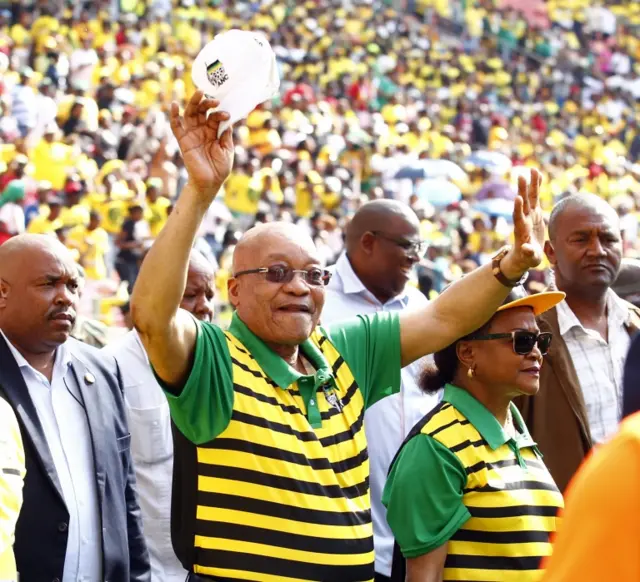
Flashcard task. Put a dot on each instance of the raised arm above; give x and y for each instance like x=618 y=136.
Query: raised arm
x=167 y=332
x=469 y=303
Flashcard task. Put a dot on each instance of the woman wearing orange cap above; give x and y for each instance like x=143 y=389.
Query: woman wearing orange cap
x=468 y=495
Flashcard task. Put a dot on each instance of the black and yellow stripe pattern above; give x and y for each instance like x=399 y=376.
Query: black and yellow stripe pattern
x=512 y=499
x=278 y=500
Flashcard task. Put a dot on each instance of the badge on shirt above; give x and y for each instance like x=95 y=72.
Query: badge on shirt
x=333 y=400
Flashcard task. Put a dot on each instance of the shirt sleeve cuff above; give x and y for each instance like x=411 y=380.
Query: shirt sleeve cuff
x=458 y=519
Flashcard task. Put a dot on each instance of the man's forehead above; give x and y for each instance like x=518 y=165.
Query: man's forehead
x=589 y=219
x=291 y=251
x=272 y=245
x=200 y=275
x=402 y=224
x=55 y=264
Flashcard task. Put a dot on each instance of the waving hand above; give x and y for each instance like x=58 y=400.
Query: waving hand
x=207 y=158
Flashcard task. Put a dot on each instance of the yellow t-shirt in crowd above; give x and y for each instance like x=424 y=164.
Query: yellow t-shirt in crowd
x=74 y=215
x=238 y=196
x=93 y=246
x=304 y=200
x=113 y=213
x=51 y=162
x=42 y=225
x=156 y=214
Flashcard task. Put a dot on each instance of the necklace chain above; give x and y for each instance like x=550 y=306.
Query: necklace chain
x=509 y=426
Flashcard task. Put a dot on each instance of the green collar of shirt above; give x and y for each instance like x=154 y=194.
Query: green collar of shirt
x=484 y=422
x=282 y=373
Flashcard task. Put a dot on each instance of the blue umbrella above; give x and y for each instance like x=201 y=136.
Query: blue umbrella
x=495 y=189
x=438 y=192
x=410 y=173
x=500 y=207
x=494 y=162
x=431 y=169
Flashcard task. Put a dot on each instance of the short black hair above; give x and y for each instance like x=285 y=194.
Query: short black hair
x=575 y=200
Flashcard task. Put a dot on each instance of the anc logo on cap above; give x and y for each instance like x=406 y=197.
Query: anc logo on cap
x=216 y=74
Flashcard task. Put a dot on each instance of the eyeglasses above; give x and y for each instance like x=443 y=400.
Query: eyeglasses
x=523 y=341
x=411 y=247
x=281 y=274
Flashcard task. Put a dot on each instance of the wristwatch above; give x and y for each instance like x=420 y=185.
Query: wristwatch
x=497 y=271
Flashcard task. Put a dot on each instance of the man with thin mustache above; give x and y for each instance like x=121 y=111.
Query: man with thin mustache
x=80 y=518
x=580 y=399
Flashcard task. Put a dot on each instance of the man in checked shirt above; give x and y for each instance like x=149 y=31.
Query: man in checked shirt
x=579 y=403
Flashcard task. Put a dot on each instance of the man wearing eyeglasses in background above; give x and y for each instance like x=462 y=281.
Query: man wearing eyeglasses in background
x=271 y=471
x=372 y=275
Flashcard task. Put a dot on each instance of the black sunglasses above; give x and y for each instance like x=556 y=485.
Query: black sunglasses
x=410 y=247
x=523 y=341
x=281 y=274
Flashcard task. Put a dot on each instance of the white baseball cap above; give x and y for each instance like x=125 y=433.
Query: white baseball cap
x=239 y=69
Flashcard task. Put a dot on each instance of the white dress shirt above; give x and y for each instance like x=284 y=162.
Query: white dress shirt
x=388 y=421
x=152 y=453
x=599 y=364
x=60 y=409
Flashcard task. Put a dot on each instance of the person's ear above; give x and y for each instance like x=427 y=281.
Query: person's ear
x=466 y=354
x=4 y=293
x=367 y=242
x=550 y=252
x=234 y=292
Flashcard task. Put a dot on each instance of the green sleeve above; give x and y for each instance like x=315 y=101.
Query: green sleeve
x=423 y=496
x=202 y=410
x=370 y=345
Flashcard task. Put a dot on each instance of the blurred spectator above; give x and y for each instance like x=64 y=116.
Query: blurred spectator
x=134 y=237
x=48 y=221
x=627 y=285
x=23 y=103
x=12 y=207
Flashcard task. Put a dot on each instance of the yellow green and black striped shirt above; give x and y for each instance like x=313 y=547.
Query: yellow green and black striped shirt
x=271 y=472
x=459 y=478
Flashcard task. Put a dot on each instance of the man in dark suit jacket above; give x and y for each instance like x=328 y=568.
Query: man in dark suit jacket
x=80 y=519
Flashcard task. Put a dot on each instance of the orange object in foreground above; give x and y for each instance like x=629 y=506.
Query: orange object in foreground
x=598 y=537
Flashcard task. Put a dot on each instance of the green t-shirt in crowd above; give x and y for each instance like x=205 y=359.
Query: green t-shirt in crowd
x=370 y=345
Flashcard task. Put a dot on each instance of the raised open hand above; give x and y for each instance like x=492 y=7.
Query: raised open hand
x=528 y=226
x=207 y=157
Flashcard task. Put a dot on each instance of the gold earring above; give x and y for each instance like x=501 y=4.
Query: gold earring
x=471 y=373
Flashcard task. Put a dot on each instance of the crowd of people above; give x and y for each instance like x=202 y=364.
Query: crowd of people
x=442 y=109
x=374 y=335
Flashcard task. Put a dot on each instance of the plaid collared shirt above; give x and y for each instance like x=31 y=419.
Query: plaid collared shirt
x=599 y=364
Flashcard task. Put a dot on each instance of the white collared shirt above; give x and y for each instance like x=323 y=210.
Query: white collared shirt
x=389 y=421
x=60 y=409
x=152 y=453
x=599 y=364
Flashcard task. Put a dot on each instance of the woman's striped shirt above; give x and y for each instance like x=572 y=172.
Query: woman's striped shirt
x=489 y=496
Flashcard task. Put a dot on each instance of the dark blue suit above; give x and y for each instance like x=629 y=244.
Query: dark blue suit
x=631 y=395
x=41 y=533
